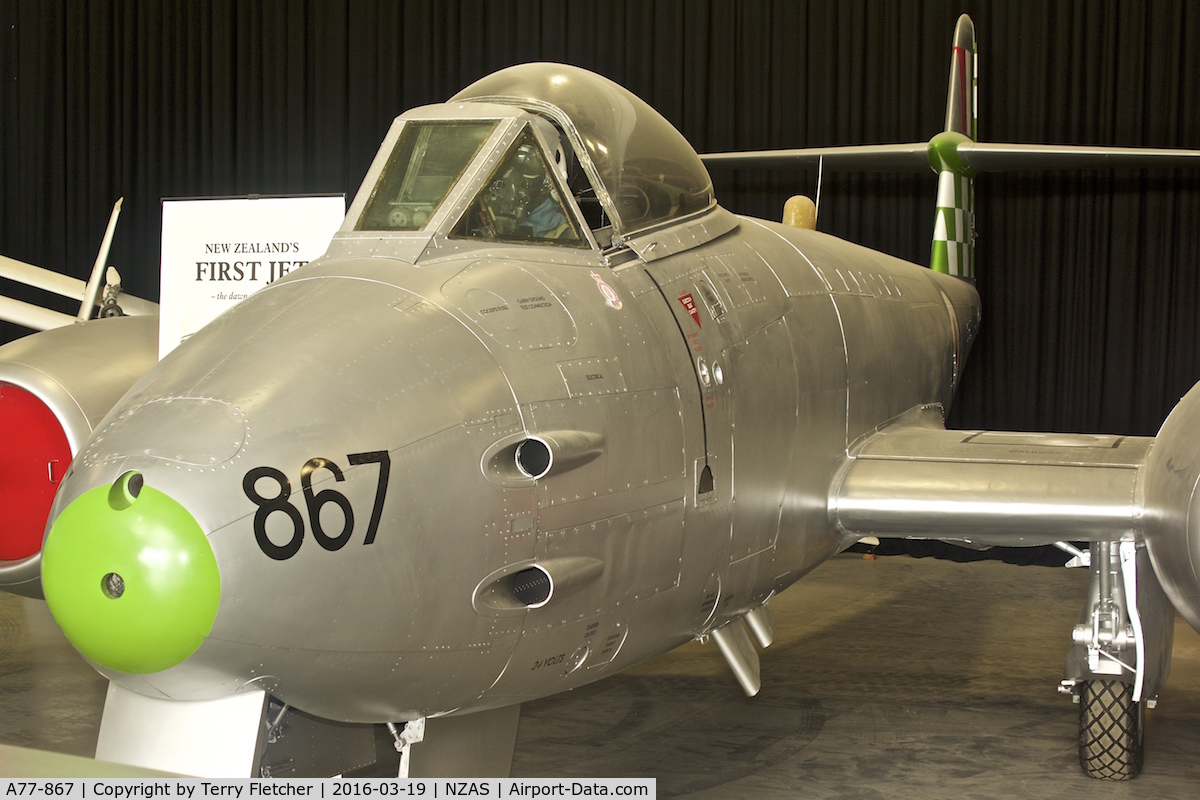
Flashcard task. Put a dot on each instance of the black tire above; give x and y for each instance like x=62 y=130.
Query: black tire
x=1110 y=731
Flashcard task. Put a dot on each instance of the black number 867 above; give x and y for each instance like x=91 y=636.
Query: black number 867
x=313 y=502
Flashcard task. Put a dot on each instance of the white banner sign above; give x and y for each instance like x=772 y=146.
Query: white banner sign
x=218 y=252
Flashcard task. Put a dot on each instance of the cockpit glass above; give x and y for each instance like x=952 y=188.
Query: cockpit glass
x=521 y=202
x=427 y=161
x=642 y=171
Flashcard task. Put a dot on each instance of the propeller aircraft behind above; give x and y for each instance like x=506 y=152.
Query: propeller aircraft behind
x=545 y=410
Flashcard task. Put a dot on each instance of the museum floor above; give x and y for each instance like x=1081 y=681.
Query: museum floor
x=896 y=677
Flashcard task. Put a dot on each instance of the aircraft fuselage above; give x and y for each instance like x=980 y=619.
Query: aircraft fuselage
x=348 y=441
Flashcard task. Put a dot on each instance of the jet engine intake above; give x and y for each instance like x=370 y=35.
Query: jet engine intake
x=55 y=386
x=36 y=457
x=1173 y=506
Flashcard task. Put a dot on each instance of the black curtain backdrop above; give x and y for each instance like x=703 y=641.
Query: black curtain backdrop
x=1089 y=280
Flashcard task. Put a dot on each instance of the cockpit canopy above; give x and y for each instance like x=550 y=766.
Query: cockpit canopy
x=424 y=166
x=522 y=201
x=642 y=170
x=535 y=154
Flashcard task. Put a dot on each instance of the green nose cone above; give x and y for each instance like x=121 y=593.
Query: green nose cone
x=130 y=578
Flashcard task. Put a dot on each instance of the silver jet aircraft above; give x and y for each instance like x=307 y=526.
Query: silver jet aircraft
x=545 y=410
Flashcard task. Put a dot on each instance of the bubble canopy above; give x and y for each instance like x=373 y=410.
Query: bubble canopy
x=643 y=170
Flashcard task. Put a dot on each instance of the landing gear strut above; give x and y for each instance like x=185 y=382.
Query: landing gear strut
x=1121 y=656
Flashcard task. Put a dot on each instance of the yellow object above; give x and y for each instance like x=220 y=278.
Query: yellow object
x=800 y=212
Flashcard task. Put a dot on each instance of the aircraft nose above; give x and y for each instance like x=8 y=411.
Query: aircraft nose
x=130 y=577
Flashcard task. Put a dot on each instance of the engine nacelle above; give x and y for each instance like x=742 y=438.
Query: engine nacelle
x=55 y=386
x=1173 y=506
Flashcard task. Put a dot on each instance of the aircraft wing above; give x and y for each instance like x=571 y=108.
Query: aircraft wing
x=915 y=479
x=975 y=156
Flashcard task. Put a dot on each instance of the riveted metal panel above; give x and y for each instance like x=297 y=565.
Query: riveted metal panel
x=763 y=387
x=641 y=550
x=589 y=377
x=511 y=306
x=643 y=443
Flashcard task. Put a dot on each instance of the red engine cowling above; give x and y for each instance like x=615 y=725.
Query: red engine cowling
x=35 y=458
x=1173 y=506
x=55 y=386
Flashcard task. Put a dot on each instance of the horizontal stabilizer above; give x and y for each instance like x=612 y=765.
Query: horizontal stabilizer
x=1000 y=157
x=850 y=158
x=975 y=156
x=44 y=279
x=27 y=315
x=31 y=316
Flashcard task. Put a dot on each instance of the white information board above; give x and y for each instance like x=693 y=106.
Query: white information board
x=217 y=252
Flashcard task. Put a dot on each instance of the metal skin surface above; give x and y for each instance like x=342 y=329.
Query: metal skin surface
x=910 y=479
x=390 y=631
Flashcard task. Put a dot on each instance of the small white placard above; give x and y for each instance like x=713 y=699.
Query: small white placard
x=217 y=252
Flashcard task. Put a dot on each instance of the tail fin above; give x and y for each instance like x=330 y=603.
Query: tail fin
x=956 y=158
x=953 y=250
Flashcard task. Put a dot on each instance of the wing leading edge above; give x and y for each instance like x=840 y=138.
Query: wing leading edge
x=915 y=479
